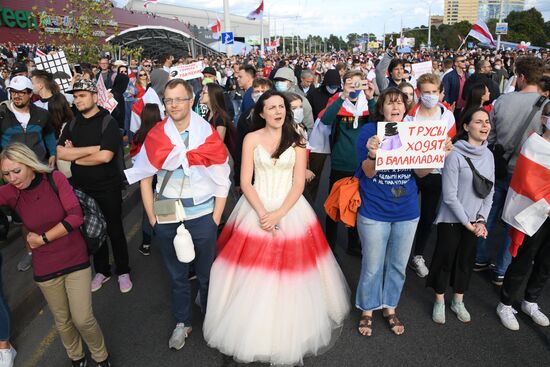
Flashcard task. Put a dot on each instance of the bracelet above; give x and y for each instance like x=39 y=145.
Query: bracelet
x=371 y=158
x=44 y=238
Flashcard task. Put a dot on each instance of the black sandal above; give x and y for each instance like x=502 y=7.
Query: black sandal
x=393 y=323
x=365 y=323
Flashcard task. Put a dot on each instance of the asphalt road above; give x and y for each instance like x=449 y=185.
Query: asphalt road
x=137 y=326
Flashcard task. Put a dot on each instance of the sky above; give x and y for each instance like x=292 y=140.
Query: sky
x=324 y=17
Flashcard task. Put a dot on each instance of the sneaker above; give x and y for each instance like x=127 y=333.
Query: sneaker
x=438 y=313
x=105 y=363
x=506 y=314
x=481 y=266
x=180 y=333
x=497 y=279
x=145 y=249
x=25 y=262
x=461 y=311
x=98 y=281
x=533 y=310
x=124 y=283
x=80 y=363
x=419 y=266
x=7 y=357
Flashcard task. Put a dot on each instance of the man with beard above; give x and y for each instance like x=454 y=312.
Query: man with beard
x=91 y=142
x=482 y=75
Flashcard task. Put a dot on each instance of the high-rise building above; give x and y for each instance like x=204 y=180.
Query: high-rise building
x=471 y=10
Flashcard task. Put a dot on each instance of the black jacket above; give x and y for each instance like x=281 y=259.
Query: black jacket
x=481 y=79
x=318 y=97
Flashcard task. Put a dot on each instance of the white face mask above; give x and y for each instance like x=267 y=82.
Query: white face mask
x=408 y=68
x=471 y=71
x=429 y=100
x=281 y=86
x=497 y=67
x=547 y=123
x=256 y=96
x=331 y=90
x=298 y=115
x=306 y=90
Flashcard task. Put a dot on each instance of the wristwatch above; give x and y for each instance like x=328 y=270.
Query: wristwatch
x=44 y=238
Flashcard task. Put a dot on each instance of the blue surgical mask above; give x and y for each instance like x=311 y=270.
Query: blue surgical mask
x=429 y=100
x=354 y=94
x=281 y=86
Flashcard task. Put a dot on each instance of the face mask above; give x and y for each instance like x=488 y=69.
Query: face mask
x=429 y=100
x=471 y=71
x=408 y=68
x=281 y=86
x=298 y=115
x=547 y=123
x=306 y=90
x=497 y=67
x=332 y=90
x=256 y=96
x=354 y=94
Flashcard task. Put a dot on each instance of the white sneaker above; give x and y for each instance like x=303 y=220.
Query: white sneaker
x=533 y=310
x=506 y=314
x=419 y=266
x=180 y=333
x=7 y=356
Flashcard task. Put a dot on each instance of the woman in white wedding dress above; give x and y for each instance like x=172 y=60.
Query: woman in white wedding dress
x=276 y=291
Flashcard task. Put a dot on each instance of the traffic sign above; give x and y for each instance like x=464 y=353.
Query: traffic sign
x=227 y=38
x=501 y=28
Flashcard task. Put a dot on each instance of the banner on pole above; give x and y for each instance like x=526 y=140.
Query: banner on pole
x=411 y=145
x=187 y=72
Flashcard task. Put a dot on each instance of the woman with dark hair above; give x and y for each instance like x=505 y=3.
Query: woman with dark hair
x=276 y=292
x=60 y=112
x=213 y=96
x=462 y=213
x=150 y=115
x=386 y=220
x=477 y=97
x=119 y=87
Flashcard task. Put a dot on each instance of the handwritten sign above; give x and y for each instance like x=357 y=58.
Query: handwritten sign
x=421 y=68
x=104 y=98
x=411 y=145
x=187 y=72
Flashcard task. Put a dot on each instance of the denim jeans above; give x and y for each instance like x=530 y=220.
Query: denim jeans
x=504 y=258
x=203 y=231
x=4 y=311
x=386 y=247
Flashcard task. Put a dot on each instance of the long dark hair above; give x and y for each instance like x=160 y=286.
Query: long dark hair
x=466 y=119
x=60 y=112
x=473 y=99
x=150 y=115
x=289 y=135
x=217 y=102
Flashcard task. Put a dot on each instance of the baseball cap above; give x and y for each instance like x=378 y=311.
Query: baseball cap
x=119 y=63
x=285 y=74
x=84 y=85
x=20 y=83
x=19 y=68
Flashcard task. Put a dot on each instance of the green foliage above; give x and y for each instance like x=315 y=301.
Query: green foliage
x=527 y=26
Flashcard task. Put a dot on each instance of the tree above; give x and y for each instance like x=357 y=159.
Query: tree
x=526 y=26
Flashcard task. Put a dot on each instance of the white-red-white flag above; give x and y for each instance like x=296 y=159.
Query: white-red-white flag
x=258 y=13
x=150 y=96
x=216 y=28
x=204 y=161
x=147 y=2
x=480 y=31
x=39 y=53
x=103 y=98
x=528 y=199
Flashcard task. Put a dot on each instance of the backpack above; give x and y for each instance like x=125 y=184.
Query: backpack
x=94 y=228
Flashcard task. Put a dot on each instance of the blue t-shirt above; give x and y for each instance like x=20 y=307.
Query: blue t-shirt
x=391 y=195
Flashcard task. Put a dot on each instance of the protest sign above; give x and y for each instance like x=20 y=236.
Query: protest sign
x=411 y=145
x=421 y=68
x=57 y=65
x=103 y=98
x=187 y=72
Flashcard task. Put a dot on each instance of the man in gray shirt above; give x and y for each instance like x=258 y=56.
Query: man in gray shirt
x=507 y=121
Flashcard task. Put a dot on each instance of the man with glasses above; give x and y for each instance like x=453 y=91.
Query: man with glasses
x=24 y=122
x=105 y=72
x=453 y=85
x=184 y=151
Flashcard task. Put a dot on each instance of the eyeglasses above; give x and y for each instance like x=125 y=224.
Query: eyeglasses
x=175 y=101
x=19 y=92
x=146 y=66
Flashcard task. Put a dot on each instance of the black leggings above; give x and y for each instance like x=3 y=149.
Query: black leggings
x=430 y=193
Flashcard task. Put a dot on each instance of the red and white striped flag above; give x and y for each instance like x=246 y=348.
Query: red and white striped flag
x=205 y=161
x=528 y=199
x=258 y=13
x=147 y=2
x=150 y=96
x=216 y=28
x=480 y=31
x=39 y=53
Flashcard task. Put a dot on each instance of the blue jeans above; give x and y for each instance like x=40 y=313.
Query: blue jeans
x=4 y=311
x=203 y=231
x=386 y=247
x=504 y=258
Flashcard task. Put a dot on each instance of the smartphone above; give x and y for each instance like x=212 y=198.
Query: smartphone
x=362 y=84
x=78 y=69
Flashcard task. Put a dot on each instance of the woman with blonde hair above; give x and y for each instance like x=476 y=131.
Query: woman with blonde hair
x=60 y=259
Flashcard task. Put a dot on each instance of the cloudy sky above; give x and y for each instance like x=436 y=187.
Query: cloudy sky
x=323 y=17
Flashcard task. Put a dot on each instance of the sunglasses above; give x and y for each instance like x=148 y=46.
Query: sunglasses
x=142 y=74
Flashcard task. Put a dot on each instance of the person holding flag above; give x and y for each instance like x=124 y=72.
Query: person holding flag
x=186 y=151
x=526 y=209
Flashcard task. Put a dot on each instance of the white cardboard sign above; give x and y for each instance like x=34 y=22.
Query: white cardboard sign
x=421 y=68
x=187 y=72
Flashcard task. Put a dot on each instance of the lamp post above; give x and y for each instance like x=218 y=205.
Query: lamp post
x=227 y=25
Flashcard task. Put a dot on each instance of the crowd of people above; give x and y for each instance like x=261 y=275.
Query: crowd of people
x=229 y=167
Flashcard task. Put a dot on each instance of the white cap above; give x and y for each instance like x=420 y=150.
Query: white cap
x=119 y=63
x=20 y=83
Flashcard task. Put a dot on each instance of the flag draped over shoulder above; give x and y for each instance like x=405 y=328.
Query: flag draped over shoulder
x=480 y=31
x=150 y=96
x=528 y=199
x=205 y=161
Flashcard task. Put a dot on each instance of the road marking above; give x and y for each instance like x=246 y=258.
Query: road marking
x=52 y=334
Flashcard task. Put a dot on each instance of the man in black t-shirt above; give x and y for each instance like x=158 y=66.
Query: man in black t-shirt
x=92 y=144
